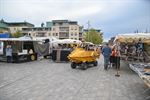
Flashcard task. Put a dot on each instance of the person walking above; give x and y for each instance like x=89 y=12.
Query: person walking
x=106 y=51
x=117 y=59
x=9 y=53
x=113 y=57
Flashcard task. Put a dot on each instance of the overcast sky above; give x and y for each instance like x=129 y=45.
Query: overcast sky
x=111 y=16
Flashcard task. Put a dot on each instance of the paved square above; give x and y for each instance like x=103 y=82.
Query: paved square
x=47 y=80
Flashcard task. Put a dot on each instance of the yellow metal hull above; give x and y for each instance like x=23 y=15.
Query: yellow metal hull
x=80 y=55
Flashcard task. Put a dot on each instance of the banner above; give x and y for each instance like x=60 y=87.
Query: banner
x=41 y=49
x=1 y=48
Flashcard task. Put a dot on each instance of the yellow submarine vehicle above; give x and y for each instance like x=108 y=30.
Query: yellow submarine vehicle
x=83 y=56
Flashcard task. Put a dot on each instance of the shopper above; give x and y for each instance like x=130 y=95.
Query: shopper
x=113 y=57
x=106 y=51
x=140 y=48
x=9 y=53
x=126 y=52
x=117 y=58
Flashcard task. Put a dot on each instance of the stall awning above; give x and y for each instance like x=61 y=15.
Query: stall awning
x=130 y=37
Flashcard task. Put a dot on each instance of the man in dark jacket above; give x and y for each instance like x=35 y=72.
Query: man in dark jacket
x=106 y=51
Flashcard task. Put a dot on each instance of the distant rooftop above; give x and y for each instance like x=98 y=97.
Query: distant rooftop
x=3 y=25
x=64 y=21
x=60 y=20
x=16 y=23
x=20 y=24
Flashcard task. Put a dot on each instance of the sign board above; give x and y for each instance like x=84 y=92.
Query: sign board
x=1 y=48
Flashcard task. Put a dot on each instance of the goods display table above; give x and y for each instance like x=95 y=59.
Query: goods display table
x=143 y=70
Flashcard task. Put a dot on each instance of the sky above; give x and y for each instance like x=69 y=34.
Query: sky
x=111 y=16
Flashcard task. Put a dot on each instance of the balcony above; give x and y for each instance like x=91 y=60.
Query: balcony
x=63 y=35
x=40 y=34
x=64 y=29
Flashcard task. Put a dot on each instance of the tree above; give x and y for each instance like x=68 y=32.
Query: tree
x=17 y=34
x=93 y=36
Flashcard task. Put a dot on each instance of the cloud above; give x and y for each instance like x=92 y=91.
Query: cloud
x=48 y=9
x=53 y=9
x=112 y=16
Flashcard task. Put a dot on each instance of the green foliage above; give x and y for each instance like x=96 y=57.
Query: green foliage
x=93 y=36
x=17 y=34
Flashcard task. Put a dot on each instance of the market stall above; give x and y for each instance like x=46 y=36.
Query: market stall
x=134 y=46
x=22 y=49
x=62 y=48
x=143 y=70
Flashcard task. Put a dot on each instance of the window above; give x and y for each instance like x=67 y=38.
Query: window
x=56 y=34
x=40 y=34
x=71 y=34
x=76 y=34
x=53 y=29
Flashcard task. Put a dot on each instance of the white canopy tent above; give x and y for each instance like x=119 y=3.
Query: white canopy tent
x=51 y=38
x=16 y=39
x=66 y=41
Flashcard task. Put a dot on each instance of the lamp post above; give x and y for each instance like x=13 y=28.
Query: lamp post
x=88 y=30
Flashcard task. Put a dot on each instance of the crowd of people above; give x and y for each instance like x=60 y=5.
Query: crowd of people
x=111 y=56
x=134 y=50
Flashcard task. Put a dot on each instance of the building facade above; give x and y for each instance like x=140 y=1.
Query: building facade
x=37 y=31
x=61 y=29
x=13 y=27
x=3 y=27
x=18 y=26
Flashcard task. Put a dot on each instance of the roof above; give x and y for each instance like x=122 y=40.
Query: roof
x=59 y=21
x=6 y=24
x=19 y=24
x=65 y=21
x=3 y=25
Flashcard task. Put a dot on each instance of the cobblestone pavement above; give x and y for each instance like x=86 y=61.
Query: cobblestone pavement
x=46 y=80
